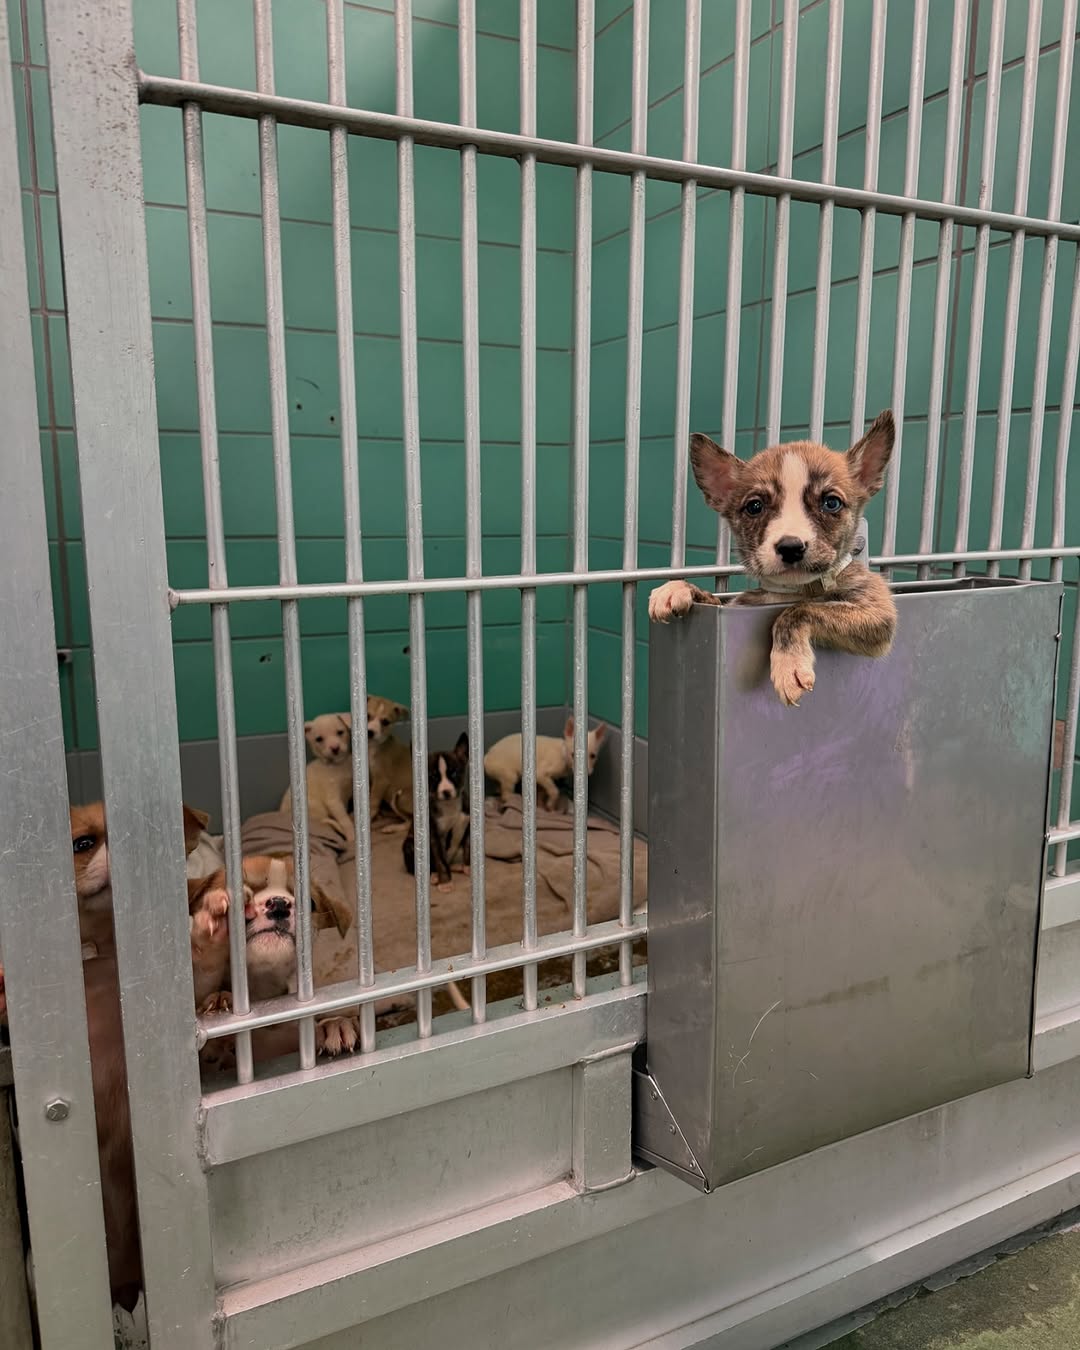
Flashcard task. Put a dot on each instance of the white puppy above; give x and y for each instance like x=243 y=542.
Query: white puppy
x=329 y=775
x=554 y=760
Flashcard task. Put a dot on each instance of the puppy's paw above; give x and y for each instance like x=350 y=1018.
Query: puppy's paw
x=445 y=887
x=792 y=673
x=670 y=600
x=221 y=1002
x=218 y=1055
x=337 y=1035
x=208 y=920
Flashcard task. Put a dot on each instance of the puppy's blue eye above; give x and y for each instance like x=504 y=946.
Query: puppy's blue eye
x=831 y=503
x=753 y=507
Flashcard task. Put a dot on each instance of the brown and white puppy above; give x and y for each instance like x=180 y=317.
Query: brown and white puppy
x=270 y=944
x=793 y=511
x=448 y=813
x=389 y=760
x=93 y=880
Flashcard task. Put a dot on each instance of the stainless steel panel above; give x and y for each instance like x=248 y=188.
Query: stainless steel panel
x=844 y=901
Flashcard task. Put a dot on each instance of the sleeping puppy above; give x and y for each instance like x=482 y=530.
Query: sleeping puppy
x=793 y=511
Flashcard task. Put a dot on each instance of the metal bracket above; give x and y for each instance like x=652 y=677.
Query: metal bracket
x=657 y=1136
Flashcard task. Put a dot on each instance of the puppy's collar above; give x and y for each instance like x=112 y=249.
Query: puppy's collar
x=821 y=585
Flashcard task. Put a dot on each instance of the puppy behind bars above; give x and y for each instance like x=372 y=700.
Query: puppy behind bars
x=793 y=511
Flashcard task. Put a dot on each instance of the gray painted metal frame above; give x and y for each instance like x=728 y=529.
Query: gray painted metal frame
x=44 y=987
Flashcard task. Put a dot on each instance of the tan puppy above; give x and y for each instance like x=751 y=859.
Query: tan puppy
x=329 y=775
x=793 y=511
x=389 y=761
x=554 y=760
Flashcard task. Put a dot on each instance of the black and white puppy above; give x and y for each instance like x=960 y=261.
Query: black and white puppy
x=448 y=813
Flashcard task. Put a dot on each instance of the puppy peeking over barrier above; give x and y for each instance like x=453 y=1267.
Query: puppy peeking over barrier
x=794 y=511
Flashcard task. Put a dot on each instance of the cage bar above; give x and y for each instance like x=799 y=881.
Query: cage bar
x=527 y=43
x=350 y=482
x=635 y=320
x=868 y=224
x=978 y=283
x=781 y=237
x=942 y=284
x=582 y=335
x=687 y=237
x=1046 y=295
x=740 y=93
x=217 y=571
x=414 y=528
x=1012 y=295
x=1065 y=404
x=823 y=295
x=906 y=265
x=470 y=339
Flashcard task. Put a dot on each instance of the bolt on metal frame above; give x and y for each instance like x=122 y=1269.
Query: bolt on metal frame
x=98 y=162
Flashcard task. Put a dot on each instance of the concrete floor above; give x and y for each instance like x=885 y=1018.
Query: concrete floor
x=1027 y=1301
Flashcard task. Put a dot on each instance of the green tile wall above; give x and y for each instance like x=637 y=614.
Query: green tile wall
x=238 y=304
x=240 y=338
x=611 y=260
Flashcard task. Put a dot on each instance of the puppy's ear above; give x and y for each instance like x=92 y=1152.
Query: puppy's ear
x=568 y=730
x=399 y=712
x=346 y=720
x=600 y=731
x=194 y=824
x=462 y=747
x=867 y=458
x=716 y=471
x=307 y=728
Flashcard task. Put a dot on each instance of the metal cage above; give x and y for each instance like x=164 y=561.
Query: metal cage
x=288 y=1211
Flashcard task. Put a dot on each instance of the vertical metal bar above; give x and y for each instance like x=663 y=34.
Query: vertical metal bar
x=1065 y=407
x=279 y=430
x=1049 y=271
x=470 y=339
x=350 y=476
x=825 y=221
x=414 y=524
x=527 y=42
x=108 y=303
x=46 y=1010
x=978 y=283
x=906 y=265
x=687 y=234
x=1068 y=750
x=790 y=51
x=217 y=572
x=1012 y=294
x=740 y=97
x=582 y=338
x=868 y=224
x=635 y=320
x=943 y=282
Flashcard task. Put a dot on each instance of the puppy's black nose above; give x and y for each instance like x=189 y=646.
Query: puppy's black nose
x=370 y=734
x=791 y=550
x=278 y=907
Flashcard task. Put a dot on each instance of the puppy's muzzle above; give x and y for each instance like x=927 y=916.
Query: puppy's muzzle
x=790 y=549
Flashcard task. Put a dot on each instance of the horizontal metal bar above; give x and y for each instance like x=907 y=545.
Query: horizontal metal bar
x=335 y=998
x=172 y=93
x=275 y=1113
x=1064 y=835
x=328 y=590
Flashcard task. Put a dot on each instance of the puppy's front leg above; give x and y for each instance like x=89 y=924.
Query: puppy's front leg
x=440 y=864
x=864 y=627
x=674 y=598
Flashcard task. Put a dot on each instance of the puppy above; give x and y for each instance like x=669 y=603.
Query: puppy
x=93 y=884
x=389 y=761
x=554 y=759
x=793 y=511
x=329 y=775
x=270 y=944
x=448 y=813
